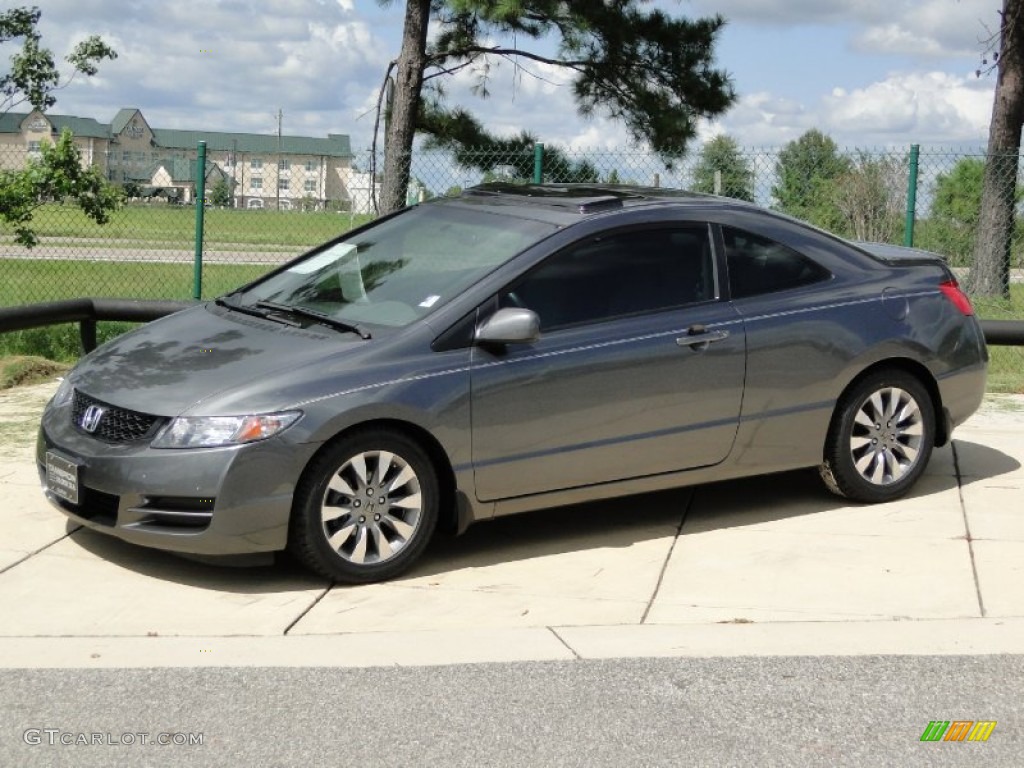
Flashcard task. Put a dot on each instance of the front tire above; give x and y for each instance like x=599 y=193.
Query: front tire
x=365 y=508
x=880 y=439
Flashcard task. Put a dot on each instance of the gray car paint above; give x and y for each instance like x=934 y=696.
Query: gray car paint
x=533 y=425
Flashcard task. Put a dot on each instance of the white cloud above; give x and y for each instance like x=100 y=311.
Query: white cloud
x=912 y=108
x=930 y=28
x=902 y=109
x=226 y=64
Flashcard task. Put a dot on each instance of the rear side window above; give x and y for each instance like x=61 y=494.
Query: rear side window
x=758 y=265
x=618 y=274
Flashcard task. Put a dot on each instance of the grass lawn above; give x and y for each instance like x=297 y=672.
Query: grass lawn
x=1006 y=364
x=31 y=280
x=173 y=226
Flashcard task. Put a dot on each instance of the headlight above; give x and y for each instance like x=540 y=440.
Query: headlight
x=209 y=431
x=63 y=393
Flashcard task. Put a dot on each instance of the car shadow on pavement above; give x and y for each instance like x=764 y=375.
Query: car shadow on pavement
x=976 y=462
x=614 y=523
x=629 y=520
x=222 y=574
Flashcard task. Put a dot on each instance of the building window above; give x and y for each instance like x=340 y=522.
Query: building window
x=285 y=205
x=255 y=204
x=310 y=185
x=34 y=148
x=256 y=163
x=310 y=166
x=256 y=185
x=282 y=185
x=126 y=156
x=284 y=165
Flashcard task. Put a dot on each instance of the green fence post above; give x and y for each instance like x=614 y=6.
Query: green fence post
x=908 y=230
x=538 y=163
x=197 y=277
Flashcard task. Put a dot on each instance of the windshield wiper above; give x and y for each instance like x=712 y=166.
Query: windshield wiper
x=320 y=317
x=247 y=310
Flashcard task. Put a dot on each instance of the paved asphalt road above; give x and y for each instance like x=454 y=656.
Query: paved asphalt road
x=867 y=710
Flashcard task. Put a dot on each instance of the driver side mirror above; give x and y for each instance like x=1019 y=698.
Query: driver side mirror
x=511 y=325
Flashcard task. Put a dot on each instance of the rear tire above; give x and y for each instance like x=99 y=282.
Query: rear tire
x=365 y=508
x=881 y=438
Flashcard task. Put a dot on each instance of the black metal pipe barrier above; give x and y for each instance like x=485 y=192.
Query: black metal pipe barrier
x=88 y=311
x=1009 y=333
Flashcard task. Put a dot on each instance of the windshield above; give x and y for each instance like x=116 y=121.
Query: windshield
x=398 y=271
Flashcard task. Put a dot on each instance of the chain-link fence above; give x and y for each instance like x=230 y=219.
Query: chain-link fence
x=147 y=250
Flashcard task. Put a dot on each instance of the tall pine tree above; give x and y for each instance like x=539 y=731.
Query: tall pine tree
x=653 y=72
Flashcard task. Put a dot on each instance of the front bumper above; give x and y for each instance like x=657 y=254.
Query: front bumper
x=210 y=501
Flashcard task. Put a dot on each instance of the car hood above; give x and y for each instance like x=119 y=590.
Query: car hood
x=173 y=364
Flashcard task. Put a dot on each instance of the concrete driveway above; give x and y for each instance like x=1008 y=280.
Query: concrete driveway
x=771 y=565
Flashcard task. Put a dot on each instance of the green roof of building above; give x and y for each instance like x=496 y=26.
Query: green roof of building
x=181 y=170
x=80 y=126
x=121 y=119
x=335 y=145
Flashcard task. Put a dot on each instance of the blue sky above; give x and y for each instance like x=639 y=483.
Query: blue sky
x=871 y=73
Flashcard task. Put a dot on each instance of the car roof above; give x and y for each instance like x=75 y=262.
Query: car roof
x=566 y=203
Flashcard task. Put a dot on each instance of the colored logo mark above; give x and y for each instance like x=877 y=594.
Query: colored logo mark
x=958 y=730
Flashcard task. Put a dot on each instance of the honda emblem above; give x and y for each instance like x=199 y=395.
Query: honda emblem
x=91 y=418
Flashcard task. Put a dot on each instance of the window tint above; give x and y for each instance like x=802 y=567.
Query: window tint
x=620 y=274
x=759 y=265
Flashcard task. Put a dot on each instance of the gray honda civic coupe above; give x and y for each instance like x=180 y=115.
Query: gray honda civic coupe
x=512 y=349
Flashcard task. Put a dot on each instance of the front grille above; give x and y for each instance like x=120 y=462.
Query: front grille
x=116 y=425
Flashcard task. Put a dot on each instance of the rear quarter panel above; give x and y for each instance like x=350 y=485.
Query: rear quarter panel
x=805 y=346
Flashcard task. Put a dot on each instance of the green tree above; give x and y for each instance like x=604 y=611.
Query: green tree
x=220 y=193
x=507 y=159
x=952 y=227
x=33 y=75
x=955 y=208
x=653 y=72
x=807 y=171
x=58 y=174
x=722 y=169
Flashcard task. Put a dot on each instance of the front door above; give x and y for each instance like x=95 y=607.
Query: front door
x=639 y=369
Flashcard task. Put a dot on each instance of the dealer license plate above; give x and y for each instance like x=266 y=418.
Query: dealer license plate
x=62 y=477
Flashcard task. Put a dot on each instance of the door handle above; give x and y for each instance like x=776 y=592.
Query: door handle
x=698 y=337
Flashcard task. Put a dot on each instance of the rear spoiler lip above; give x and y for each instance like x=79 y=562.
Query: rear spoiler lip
x=899 y=255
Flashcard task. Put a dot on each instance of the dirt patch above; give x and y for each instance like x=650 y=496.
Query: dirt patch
x=24 y=370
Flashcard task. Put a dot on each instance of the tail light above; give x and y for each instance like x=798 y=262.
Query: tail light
x=952 y=291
